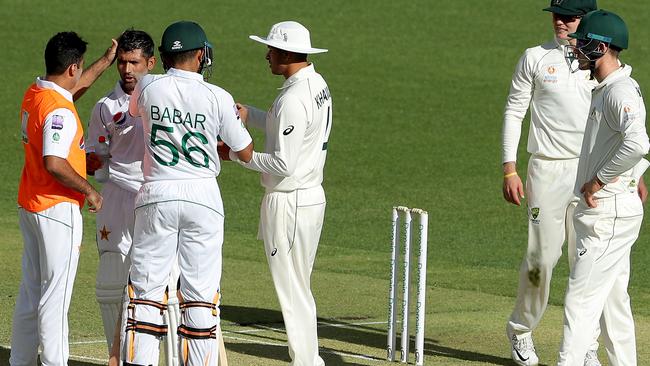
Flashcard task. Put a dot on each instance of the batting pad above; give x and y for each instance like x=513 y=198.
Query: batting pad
x=112 y=276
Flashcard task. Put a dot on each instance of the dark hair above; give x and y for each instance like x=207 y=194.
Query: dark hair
x=171 y=59
x=136 y=40
x=63 y=50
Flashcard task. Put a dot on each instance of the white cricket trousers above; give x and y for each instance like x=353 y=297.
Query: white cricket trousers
x=114 y=231
x=551 y=203
x=52 y=239
x=164 y=230
x=599 y=279
x=291 y=224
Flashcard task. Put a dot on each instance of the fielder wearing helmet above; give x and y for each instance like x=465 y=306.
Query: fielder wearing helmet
x=181 y=41
x=609 y=183
x=179 y=213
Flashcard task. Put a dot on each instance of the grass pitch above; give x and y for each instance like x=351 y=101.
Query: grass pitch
x=419 y=89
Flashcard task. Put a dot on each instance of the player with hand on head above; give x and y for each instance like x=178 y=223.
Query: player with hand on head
x=111 y=121
x=179 y=212
x=609 y=215
x=297 y=130
x=558 y=99
x=52 y=191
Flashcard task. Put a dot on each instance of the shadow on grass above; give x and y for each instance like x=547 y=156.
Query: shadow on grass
x=344 y=331
x=4 y=359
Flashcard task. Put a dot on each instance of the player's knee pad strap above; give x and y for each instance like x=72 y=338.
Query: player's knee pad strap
x=139 y=326
x=206 y=332
x=197 y=333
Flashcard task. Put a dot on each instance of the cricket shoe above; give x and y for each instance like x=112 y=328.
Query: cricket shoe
x=591 y=359
x=523 y=351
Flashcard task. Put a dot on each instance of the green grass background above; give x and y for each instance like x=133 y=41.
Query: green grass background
x=419 y=89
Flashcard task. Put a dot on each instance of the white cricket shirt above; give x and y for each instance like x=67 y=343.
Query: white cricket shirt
x=558 y=100
x=111 y=119
x=182 y=116
x=297 y=129
x=615 y=138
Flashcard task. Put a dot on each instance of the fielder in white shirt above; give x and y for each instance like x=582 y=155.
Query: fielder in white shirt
x=178 y=210
x=297 y=129
x=608 y=218
x=558 y=100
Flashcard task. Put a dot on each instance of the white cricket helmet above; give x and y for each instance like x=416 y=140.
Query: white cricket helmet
x=289 y=36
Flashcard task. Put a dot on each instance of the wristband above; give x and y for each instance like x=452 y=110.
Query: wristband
x=510 y=175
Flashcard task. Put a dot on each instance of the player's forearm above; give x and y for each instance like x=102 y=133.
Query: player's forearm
x=627 y=156
x=92 y=72
x=63 y=172
x=510 y=137
x=269 y=164
x=89 y=76
x=256 y=117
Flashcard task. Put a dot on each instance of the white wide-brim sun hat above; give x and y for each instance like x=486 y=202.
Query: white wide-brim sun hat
x=289 y=36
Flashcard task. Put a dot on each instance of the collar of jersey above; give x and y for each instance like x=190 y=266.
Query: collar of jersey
x=621 y=72
x=185 y=74
x=122 y=97
x=301 y=75
x=42 y=83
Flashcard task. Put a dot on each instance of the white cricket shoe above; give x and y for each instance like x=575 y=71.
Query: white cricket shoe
x=523 y=351
x=591 y=359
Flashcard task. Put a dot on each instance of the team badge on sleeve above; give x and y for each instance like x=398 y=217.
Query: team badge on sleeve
x=57 y=122
x=628 y=114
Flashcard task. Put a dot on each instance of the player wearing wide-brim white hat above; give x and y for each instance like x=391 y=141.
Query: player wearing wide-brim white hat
x=297 y=128
x=289 y=36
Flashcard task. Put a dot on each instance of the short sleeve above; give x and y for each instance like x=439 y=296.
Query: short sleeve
x=59 y=130
x=232 y=131
x=96 y=127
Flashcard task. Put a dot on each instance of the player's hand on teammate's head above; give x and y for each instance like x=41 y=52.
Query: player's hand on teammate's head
x=93 y=162
x=95 y=201
x=243 y=112
x=111 y=52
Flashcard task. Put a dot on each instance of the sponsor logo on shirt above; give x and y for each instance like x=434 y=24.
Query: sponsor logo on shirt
x=549 y=75
x=56 y=137
x=288 y=130
x=57 y=122
x=582 y=252
x=82 y=143
x=119 y=118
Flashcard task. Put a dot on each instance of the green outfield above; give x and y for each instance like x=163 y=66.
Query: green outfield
x=419 y=89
